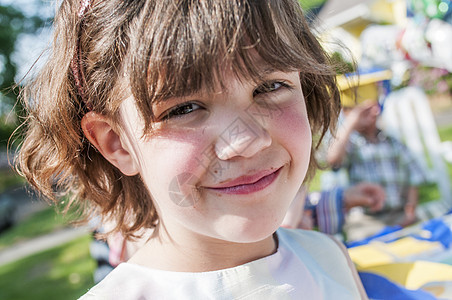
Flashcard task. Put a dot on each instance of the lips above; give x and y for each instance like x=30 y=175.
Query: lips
x=249 y=183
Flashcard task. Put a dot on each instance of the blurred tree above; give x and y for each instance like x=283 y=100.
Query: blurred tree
x=342 y=65
x=313 y=7
x=13 y=24
x=311 y=4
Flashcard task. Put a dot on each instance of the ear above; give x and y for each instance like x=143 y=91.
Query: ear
x=98 y=130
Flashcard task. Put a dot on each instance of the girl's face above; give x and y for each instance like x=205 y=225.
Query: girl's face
x=224 y=165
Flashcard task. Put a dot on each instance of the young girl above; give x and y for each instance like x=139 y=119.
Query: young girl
x=190 y=122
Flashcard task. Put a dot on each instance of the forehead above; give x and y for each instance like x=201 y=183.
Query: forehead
x=181 y=49
x=252 y=70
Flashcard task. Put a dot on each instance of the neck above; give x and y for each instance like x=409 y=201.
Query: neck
x=199 y=253
x=370 y=134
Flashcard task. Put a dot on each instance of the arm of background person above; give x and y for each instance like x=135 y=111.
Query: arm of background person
x=333 y=204
x=328 y=213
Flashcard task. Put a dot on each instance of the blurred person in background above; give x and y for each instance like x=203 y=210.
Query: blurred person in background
x=326 y=210
x=368 y=154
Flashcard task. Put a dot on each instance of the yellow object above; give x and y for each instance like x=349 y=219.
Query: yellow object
x=356 y=89
x=392 y=12
x=409 y=246
x=369 y=255
x=378 y=253
x=413 y=275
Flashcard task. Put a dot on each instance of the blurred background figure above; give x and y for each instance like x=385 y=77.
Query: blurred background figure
x=326 y=210
x=392 y=45
x=367 y=154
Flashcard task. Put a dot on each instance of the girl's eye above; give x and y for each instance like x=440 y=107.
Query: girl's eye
x=181 y=110
x=269 y=87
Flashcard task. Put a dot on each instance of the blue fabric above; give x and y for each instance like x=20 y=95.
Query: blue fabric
x=384 y=231
x=379 y=287
x=440 y=232
x=330 y=211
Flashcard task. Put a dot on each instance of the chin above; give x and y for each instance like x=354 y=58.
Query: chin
x=251 y=232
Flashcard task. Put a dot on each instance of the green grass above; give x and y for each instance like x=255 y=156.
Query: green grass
x=64 y=272
x=428 y=192
x=40 y=223
x=445 y=133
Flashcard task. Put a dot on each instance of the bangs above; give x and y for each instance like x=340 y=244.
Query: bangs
x=181 y=47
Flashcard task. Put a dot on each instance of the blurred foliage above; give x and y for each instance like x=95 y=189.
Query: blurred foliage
x=13 y=24
x=311 y=4
x=342 y=66
x=311 y=8
x=9 y=179
x=431 y=80
x=6 y=129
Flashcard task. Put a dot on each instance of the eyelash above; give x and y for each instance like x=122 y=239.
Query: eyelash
x=180 y=110
x=267 y=87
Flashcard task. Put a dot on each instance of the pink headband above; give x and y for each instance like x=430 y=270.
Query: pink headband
x=83 y=7
x=76 y=67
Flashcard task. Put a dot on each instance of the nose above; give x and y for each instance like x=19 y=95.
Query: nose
x=244 y=137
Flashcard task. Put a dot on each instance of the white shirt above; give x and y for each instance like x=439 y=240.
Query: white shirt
x=307 y=265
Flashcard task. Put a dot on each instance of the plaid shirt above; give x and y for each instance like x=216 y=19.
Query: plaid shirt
x=387 y=162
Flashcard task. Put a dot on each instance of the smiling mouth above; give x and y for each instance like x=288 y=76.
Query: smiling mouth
x=254 y=185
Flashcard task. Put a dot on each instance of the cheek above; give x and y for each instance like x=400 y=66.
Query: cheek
x=177 y=159
x=295 y=133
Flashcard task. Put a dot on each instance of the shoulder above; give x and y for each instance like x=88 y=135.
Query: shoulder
x=326 y=259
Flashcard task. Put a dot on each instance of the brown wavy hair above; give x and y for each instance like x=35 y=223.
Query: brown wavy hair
x=154 y=49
